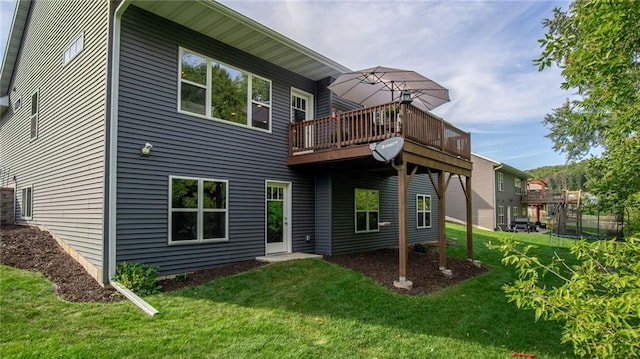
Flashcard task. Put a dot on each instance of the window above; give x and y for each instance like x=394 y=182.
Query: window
x=197 y=210
x=517 y=183
x=367 y=210
x=27 y=203
x=75 y=47
x=500 y=214
x=217 y=91
x=423 y=210
x=17 y=104
x=500 y=181
x=516 y=212
x=34 y=116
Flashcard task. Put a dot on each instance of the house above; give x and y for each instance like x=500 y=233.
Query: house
x=188 y=136
x=497 y=194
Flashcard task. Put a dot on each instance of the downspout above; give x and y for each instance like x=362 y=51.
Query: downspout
x=495 y=198
x=113 y=151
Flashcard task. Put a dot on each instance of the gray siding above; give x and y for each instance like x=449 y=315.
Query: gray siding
x=65 y=164
x=344 y=237
x=508 y=197
x=190 y=146
x=323 y=213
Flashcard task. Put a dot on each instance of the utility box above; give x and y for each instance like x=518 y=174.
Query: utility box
x=7 y=206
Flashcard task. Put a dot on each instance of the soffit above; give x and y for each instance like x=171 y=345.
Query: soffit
x=13 y=45
x=223 y=24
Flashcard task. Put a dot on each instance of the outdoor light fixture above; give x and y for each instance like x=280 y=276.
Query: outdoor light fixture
x=146 y=150
x=405 y=97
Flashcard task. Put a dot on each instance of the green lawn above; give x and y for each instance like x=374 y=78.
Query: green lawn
x=300 y=309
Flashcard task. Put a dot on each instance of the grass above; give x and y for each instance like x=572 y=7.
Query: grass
x=300 y=309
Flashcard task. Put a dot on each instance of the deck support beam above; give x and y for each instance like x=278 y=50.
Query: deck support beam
x=403 y=247
x=468 y=195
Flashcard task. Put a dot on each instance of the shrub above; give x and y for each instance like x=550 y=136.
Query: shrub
x=598 y=299
x=140 y=278
x=181 y=277
x=419 y=247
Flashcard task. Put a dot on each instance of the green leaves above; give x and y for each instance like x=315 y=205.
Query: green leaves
x=595 y=43
x=598 y=298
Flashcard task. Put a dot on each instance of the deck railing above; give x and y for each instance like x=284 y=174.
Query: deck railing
x=374 y=124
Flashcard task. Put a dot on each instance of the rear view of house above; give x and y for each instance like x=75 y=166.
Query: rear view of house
x=187 y=136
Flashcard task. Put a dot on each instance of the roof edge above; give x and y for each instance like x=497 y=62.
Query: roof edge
x=18 y=24
x=217 y=6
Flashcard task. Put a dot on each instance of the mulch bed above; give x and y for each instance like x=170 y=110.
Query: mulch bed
x=34 y=250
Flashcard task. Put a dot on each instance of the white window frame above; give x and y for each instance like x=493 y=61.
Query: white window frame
x=34 y=117
x=17 y=104
x=423 y=212
x=517 y=183
x=26 y=212
x=367 y=211
x=501 y=215
x=200 y=211
x=516 y=212
x=309 y=110
x=500 y=181
x=74 y=48
x=208 y=86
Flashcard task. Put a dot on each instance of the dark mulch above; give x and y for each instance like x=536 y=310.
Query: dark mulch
x=34 y=250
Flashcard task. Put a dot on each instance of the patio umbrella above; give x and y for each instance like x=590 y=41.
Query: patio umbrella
x=379 y=85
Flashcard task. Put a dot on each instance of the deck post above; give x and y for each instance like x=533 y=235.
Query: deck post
x=442 y=241
x=402 y=282
x=468 y=194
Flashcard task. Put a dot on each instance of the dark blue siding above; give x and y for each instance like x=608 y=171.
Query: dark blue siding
x=184 y=145
x=344 y=237
x=323 y=214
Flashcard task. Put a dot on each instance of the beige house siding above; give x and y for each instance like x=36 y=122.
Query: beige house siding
x=483 y=196
x=65 y=163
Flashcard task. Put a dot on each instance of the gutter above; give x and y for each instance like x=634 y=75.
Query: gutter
x=112 y=155
x=139 y=302
x=493 y=192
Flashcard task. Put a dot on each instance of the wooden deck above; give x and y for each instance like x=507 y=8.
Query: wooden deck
x=347 y=136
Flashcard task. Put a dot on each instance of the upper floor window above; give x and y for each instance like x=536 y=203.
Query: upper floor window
x=367 y=210
x=218 y=91
x=500 y=181
x=75 y=47
x=517 y=183
x=17 y=104
x=423 y=209
x=35 y=109
x=198 y=210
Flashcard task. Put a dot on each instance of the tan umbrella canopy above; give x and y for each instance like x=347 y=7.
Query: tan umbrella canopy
x=379 y=85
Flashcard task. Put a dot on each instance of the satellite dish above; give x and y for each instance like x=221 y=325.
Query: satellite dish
x=388 y=149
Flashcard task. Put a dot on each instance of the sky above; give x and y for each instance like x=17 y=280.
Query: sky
x=482 y=51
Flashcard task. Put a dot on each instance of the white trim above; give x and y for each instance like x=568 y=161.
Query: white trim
x=288 y=204
x=113 y=136
x=419 y=211
x=36 y=93
x=17 y=104
x=310 y=110
x=200 y=210
x=22 y=202
x=355 y=212
x=73 y=49
x=207 y=115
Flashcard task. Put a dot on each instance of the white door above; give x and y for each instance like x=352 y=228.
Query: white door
x=302 y=110
x=278 y=212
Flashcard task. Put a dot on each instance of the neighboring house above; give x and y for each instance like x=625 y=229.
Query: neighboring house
x=187 y=136
x=497 y=194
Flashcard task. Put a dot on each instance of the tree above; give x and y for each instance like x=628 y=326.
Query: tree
x=597 y=46
x=598 y=299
